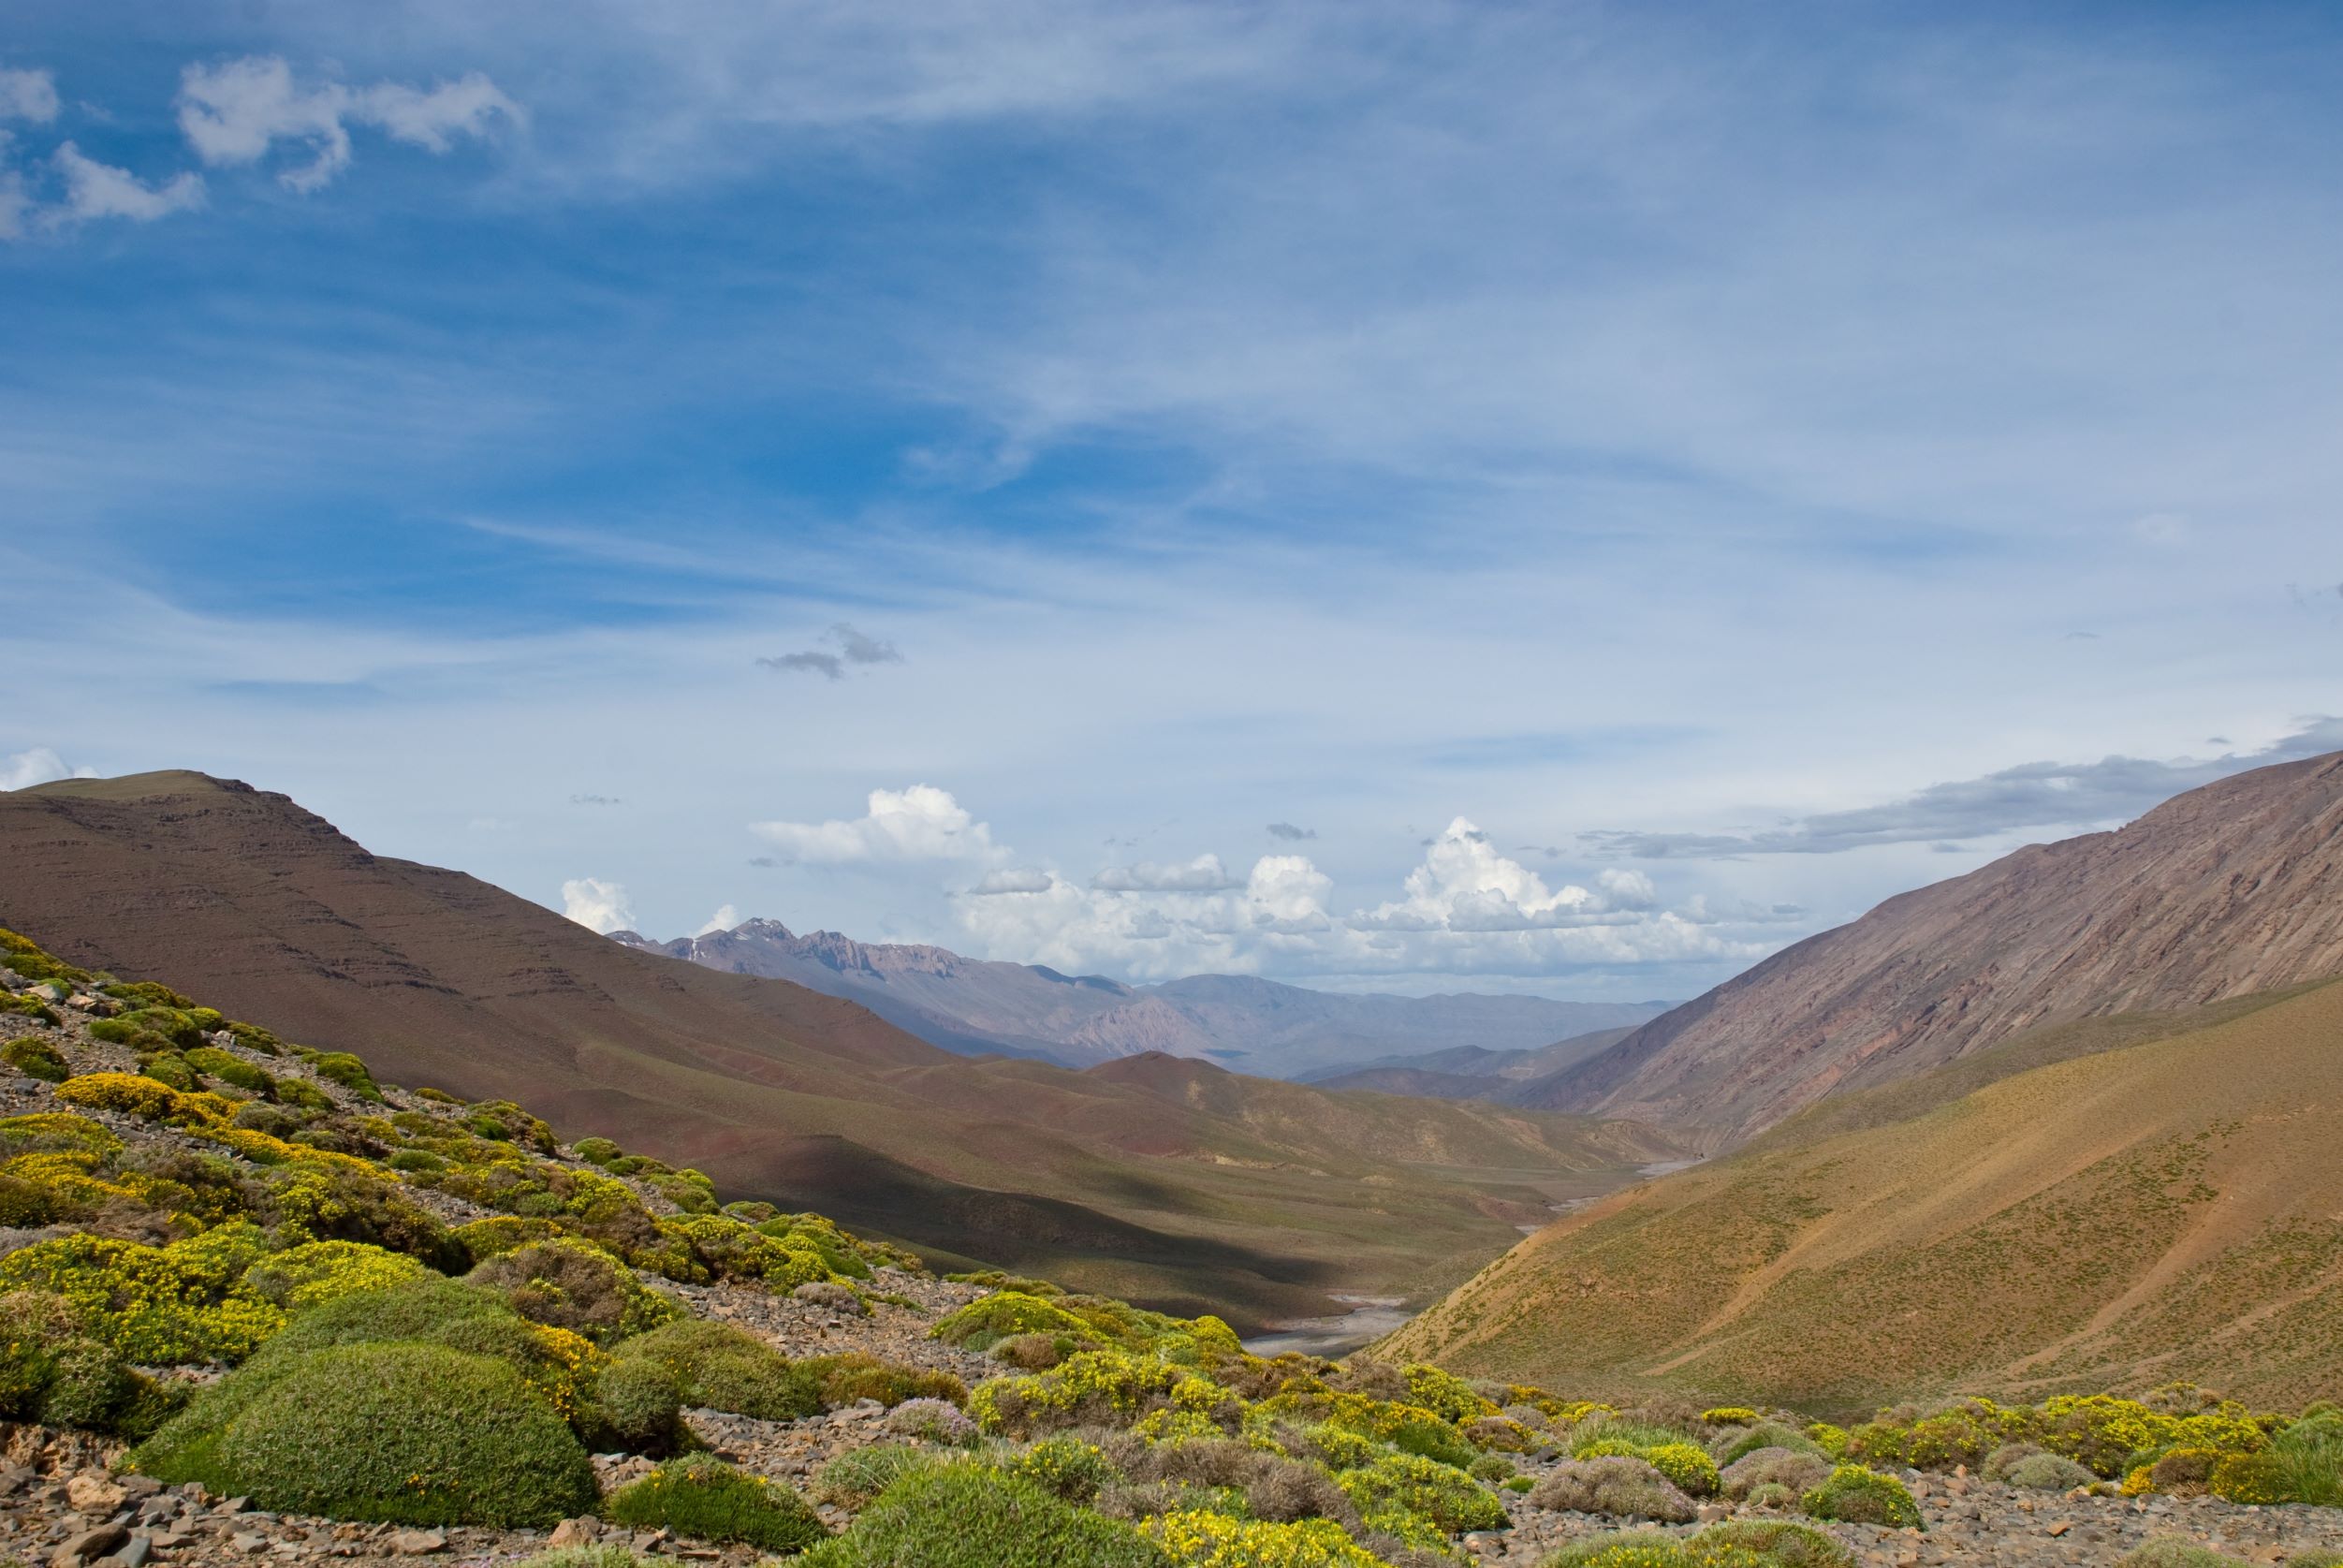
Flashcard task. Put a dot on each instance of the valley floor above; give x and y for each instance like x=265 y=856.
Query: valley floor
x=56 y=1492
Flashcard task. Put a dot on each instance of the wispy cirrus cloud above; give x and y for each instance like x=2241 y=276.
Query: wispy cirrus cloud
x=236 y=111
x=2031 y=796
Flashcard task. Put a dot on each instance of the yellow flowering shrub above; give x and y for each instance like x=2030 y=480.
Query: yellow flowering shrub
x=1730 y=1416
x=1197 y=1539
x=1407 y=1427
x=1444 y=1394
x=157 y=1306
x=316 y=1272
x=59 y=1129
x=1094 y=1386
x=130 y=1093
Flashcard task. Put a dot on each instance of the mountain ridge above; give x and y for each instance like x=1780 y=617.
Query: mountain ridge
x=979 y=1006
x=2230 y=888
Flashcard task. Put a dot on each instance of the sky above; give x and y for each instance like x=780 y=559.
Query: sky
x=1554 y=498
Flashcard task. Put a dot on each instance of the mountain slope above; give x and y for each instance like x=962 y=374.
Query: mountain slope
x=2229 y=889
x=975 y=1006
x=437 y=978
x=1501 y=1078
x=2118 y=1219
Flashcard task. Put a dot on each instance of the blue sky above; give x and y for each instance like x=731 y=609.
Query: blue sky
x=1619 y=490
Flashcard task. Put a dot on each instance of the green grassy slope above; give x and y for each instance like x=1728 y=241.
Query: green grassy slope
x=2166 y=1209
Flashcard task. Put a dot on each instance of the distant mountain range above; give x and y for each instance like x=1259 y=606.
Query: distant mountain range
x=1155 y=1178
x=2229 y=889
x=977 y=1006
x=2068 y=1122
x=1501 y=1078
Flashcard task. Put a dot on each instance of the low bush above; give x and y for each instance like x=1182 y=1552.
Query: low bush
x=932 y=1421
x=1773 y=1467
x=316 y=1272
x=1780 y=1541
x=860 y=1474
x=971 y=1516
x=2173 y=1551
x=635 y=1406
x=53 y=1370
x=1063 y=1467
x=37 y=1058
x=228 y=1068
x=1008 y=1315
x=1619 y=1487
x=1858 y=1496
x=845 y=1379
x=1201 y=1538
x=574 y=1285
x=1446 y=1499
x=718 y=1367
x=1650 y=1548
x=341 y=1067
x=2047 y=1472
x=132 y=1093
x=708 y=1500
x=156 y=1306
x=408 y=1433
x=1764 y=1434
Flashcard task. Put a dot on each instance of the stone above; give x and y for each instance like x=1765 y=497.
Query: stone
x=135 y=1552
x=418 y=1543
x=89 y=1544
x=90 y=1492
x=249 y=1542
x=2060 y=1527
x=575 y=1532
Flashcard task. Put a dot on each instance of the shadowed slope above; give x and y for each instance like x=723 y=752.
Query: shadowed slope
x=2155 y=1210
x=438 y=978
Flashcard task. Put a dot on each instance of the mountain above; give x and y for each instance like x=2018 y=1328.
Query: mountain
x=1246 y=1195
x=977 y=1006
x=2230 y=889
x=2114 y=1203
x=1467 y=1072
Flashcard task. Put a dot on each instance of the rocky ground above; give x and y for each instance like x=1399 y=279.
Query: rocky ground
x=1971 y=1520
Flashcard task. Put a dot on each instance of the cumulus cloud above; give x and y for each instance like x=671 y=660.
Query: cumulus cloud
x=39 y=766
x=597 y=906
x=850 y=646
x=921 y=823
x=1017 y=879
x=1466 y=909
x=2034 y=795
x=725 y=917
x=28 y=94
x=235 y=112
x=100 y=190
x=1290 y=833
x=1203 y=874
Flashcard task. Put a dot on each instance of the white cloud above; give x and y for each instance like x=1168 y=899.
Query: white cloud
x=921 y=823
x=39 y=766
x=1015 y=879
x=28 y=96
x=97 y=190
x=1203 y=874
x=725 y=917
x=597 y=906
x=234 y=113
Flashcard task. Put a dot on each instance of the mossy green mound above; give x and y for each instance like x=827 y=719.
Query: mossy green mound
x=708 y=1500
x=971 y=1516
x=409 y=1433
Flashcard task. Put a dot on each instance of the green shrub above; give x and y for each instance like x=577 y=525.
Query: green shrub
x=1650 y=1548
x=708 y=1500
x=1445 y=1498
x=2173 y=1551
x=2047 y=1472
x=407 y=1433
x=213 y=1062
x=317 y=1272
x=51 y=1371
x=1616 y=1486
x=493 y=1238
x=860 y=1474
x=1063 y=1468
x=633 y=1406
x=37 y=1058
x=1764 y=1434
x=341 y=1067
x=1005 y=1314
x=173 y=1069
x=301 y=1094
x=576 y=1286
x=719 y=1367
x=1859 y=1496
x=847 y=1378
x=595 y=1151
x=1780 y=1541
x=972 y=1516
x=587 y=1556
x=1797 y=1469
